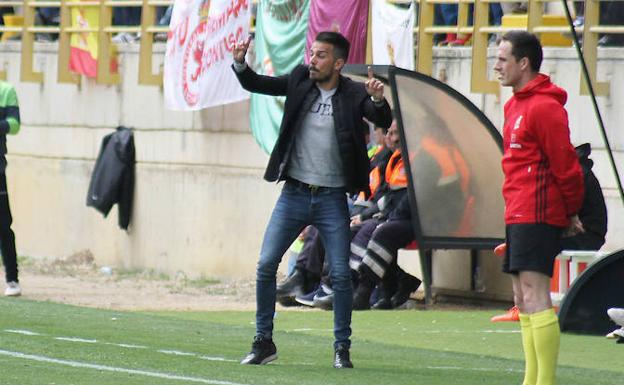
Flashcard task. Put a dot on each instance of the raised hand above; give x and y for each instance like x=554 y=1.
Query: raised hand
x=240 y=50
x=374 y=87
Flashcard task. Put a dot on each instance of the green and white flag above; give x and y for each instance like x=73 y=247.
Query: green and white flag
x=281 y=27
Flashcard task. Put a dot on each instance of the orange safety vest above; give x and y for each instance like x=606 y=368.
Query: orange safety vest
x=395 y=172
x=374 y=177
x=374 y=181
x=452 y=165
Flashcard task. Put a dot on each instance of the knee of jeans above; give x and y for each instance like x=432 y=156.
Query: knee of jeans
x=266 y=270
x=341 y=281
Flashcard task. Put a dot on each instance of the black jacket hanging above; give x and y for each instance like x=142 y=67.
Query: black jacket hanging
x=112 y=180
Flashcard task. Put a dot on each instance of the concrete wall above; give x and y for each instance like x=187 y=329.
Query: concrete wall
x=200 y=202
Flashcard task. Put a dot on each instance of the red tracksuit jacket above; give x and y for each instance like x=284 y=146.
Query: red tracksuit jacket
x=543 y=178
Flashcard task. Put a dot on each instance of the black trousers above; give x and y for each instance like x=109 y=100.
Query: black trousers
x=384 y=243
x=7 y=237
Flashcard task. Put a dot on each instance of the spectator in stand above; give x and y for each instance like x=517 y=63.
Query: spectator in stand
x=127 y=17
x=611 y=13
x=447 y=14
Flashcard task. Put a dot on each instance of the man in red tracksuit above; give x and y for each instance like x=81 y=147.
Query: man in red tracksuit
x=543 y=192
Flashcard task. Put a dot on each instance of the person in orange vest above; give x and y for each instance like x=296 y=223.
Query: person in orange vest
x=443 y=180
x=384 y=202
x=364 y=208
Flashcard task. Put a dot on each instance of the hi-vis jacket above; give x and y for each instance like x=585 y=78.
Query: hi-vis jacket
x=543 y=178
x=396 y=178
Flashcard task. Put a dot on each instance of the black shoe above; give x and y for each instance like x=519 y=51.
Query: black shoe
x=361 y=297
x=292 y=286
x=342 y=359
x=263 y=351
x=407 y=285
x=363 y=291
x=384 y=303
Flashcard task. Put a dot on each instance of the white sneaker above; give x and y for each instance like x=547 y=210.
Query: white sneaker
x=13 y=289
x=617 y=315
x=617 y=333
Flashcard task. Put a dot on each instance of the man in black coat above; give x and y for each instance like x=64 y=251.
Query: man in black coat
x=321 y=154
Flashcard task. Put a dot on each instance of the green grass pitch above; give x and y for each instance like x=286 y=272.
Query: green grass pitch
x=45 y=343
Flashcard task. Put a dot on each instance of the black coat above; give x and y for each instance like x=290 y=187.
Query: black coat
x=593 y=213
x=112 y=180
x=350 y=104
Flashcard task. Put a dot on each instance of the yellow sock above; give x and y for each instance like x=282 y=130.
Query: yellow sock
x=530 y=359
x=546 y=335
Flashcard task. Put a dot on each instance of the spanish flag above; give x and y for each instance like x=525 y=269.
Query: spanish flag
x=84 y=45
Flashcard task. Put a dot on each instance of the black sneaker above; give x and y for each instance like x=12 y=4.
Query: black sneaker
x=291 y=286
x=342 y=359
x=361 y=296
x=407 y=285
x=263 y=351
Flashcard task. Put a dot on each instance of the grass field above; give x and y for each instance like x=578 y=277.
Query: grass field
x=45 y=343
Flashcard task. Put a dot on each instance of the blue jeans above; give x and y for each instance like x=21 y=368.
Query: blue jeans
x=297 y=207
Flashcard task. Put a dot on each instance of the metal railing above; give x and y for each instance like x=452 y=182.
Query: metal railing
x=104 y=31
x=425 y=31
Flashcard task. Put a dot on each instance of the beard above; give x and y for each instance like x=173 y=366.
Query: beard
x=316 y=75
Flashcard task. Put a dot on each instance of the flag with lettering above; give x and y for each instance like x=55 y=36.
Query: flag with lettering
x=350 y=18
x=281 y=27
x=392 y=27
x=201 y=36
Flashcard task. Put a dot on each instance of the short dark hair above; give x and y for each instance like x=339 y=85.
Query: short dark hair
x=525 y=44
x=338 y=41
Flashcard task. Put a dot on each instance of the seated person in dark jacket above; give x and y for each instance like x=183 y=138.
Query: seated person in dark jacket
x=593 y=213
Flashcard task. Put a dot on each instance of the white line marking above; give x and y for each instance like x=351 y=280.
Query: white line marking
x=72 y=339
x=208 y=358
x=122 y=345
x=176 y=353
x=24 y=332
x=312 y=330
x=129 y=346
x=474 y=369
x=84 y=365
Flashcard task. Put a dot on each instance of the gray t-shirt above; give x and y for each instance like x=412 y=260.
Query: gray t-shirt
x=315 y=158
